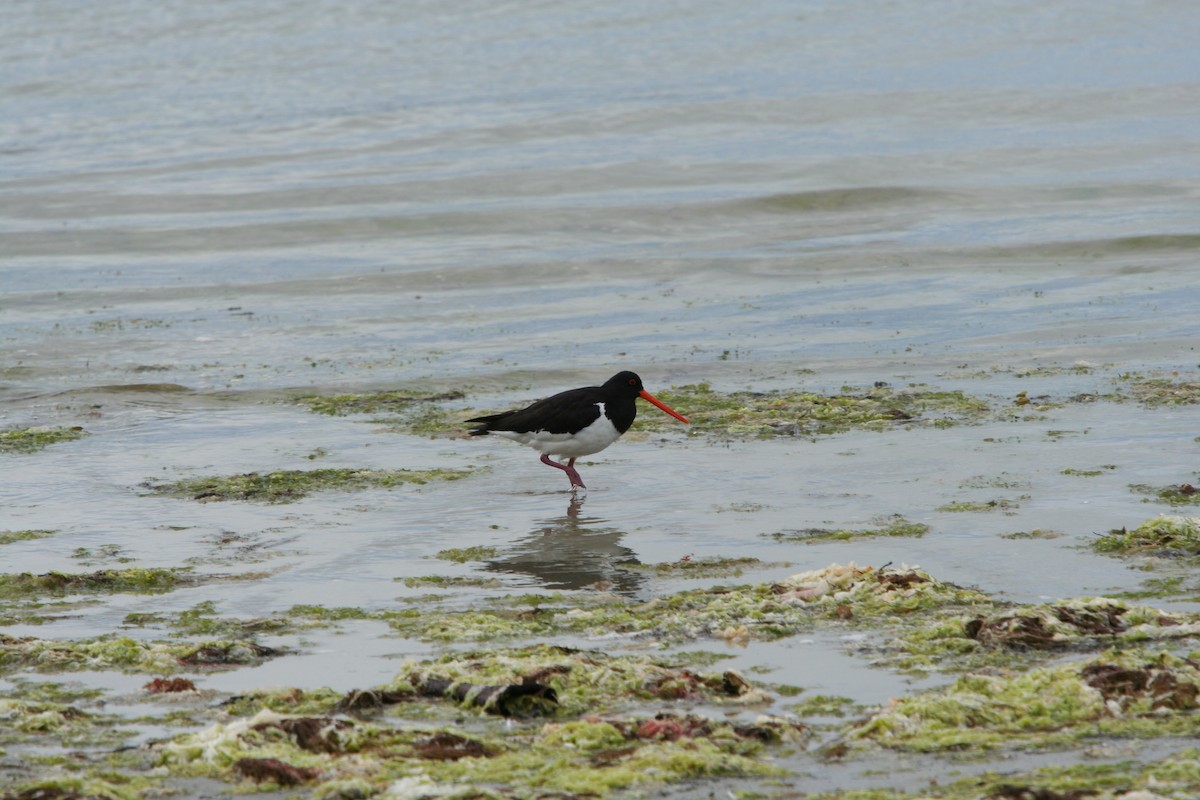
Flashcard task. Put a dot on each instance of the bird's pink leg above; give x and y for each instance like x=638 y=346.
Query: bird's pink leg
x=573 y=475
x=568 y=468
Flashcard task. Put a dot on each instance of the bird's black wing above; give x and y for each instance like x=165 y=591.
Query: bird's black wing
x=565 y=412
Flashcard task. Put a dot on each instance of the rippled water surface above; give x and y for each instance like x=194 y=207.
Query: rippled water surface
x=244 y=201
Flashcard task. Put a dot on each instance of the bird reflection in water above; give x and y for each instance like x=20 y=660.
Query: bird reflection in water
x=573 y=552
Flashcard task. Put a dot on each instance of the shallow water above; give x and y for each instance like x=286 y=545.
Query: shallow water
x=237 y=202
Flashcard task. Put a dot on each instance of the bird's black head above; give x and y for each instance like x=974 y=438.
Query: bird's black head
x=628 y=384
x=625 y=383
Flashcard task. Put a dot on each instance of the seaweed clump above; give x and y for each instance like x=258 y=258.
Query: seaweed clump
x=574 y=737
x=289 y=485
x=765 y=415
x=9 y=537
x=590 y=757
x=393 y=401
x=1176 y=776
x=1115 y=694
x=1074 y=623
x=30 y=440
x=1015 y=637
x=1161 y=391
x=25 y=653
x=408 y=411
x=895 y=525
x=1182 y=494
x=711 y=567
x=547 y=680
x=1164 y=535
x=115 y=581
x=843 y=593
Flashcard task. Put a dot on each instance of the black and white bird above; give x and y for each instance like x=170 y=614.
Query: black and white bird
x=574 y=423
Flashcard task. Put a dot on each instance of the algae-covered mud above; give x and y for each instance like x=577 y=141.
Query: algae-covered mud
x=335 y=593
x=522 y=720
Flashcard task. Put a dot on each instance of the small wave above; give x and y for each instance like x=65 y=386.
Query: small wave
x=1115 y=246
x=838 y=199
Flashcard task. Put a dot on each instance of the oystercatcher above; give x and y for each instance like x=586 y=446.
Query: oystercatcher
x=574 y=423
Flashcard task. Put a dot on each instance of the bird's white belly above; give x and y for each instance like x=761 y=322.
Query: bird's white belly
x=592 y=439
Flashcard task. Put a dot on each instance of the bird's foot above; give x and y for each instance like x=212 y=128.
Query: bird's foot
x=576 y=481
x=569 y=468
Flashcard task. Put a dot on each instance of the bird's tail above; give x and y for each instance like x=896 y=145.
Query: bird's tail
x=485 y=423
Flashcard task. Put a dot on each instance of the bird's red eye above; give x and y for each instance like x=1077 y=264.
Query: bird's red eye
x=633 y=382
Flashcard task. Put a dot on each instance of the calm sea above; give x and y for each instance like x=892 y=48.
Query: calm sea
x=488 y=186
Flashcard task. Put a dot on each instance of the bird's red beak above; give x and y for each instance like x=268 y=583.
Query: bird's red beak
x=651 y=398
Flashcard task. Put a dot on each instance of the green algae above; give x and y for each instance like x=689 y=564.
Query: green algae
x=203 y=620
x=450 y=581
x=590 y=745
x=1002 y=481
x=286 y=486
x=1158 y=391
x=305 y=702
x=30 y=691
x=427 y=420
x=739 y=508
x=105 y=552
x=77 y=787
x=9 y=537
x=30 y=440
x=1003 y=504
x=1177 y=495
x=935 y=625
x=1176 y=776
x=1036 y=533
x=1088 y=473
x=1078 y=368
x=1115 y=694
x=323 y=614
x=895 y=525
x=66 y=725
x=1017 y=636
x=114 y=581
x=143 y=619
x=594 y=738
x=846 y=594
x=372 y=402
x=746 y=414
x=1162 y=535
x=1162 y=588
x=461 y=555
x=410 y=412
x=124 y=654
x=709 y=567
x=583 y=681
x=823 y=705
x=39 y=610
x=600 y=770
x=592 y=757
